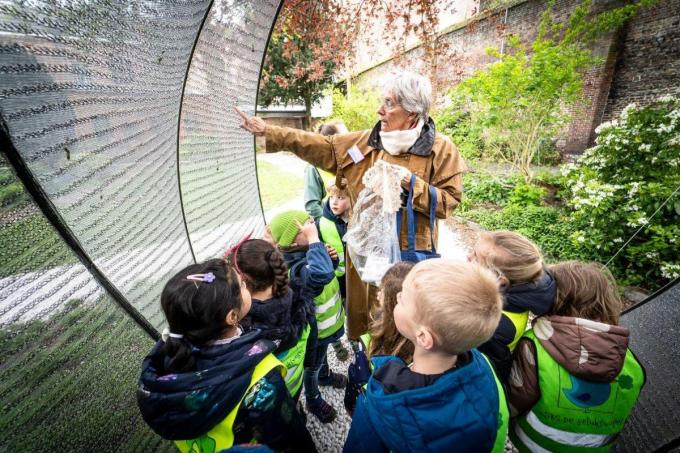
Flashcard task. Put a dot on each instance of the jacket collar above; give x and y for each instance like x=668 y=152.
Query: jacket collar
x=537 y=297
x=188 y=404
x=422 y=146
x=456 y=396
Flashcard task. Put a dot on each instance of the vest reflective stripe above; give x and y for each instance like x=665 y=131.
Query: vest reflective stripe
x=520 y=321
x=222 y=436
x=573 y=414
x=566 y=437
x=330 y=316
x=525 y=443
x=294 y=359
x=503 y=413
x=330 y=236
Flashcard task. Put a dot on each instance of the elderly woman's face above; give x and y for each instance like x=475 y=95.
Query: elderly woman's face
x=393 y=117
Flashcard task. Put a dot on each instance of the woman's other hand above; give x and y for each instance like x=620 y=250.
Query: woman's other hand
x=253 y=124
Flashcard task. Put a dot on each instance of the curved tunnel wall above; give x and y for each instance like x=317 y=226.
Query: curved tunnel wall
x=117 y=118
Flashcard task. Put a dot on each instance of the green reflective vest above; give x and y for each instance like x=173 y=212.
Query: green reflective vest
x=221 y=436
x=294 y=359
x=330 y=236
x=574 y=414
x=330 y=315
x=503 y=413
x=520 y=321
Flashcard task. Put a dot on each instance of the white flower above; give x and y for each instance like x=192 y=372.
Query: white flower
x=645 y=148
x=617 y=240
x=581 y=238
x=664 y=128
x=629 y=108
x=606 y=125
x=670 y=271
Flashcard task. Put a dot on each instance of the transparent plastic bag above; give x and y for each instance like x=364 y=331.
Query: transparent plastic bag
x=371 y=236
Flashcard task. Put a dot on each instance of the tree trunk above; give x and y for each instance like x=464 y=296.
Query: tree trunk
x=308 y=112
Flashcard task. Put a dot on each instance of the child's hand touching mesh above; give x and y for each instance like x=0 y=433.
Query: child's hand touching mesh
x=308 y=230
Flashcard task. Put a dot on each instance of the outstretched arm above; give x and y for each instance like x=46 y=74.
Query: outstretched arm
x=314 y=148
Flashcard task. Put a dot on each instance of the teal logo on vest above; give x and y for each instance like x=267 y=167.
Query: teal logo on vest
x=587 y=394
x=204 y=444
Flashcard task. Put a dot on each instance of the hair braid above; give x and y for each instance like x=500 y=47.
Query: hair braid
x=280 y=270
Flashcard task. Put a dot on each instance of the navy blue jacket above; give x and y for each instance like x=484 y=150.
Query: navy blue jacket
x=310 y=272
x=459 y=412
x=537 y=297
x=186 y=405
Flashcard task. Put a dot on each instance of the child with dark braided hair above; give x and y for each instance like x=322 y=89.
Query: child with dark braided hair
x=207 y=385
x=282 y=314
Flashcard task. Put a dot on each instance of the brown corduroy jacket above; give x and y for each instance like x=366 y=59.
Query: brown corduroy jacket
x=442 y=168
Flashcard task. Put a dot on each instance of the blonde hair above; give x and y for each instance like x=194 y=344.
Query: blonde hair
x=385 y=338
x=512 y=255
x=459 y=302
x=335 y=191
x=586 y=290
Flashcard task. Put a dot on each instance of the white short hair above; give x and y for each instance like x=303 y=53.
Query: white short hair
x=412 y=91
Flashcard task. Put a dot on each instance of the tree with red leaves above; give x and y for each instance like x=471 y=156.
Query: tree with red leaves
x=313 y=41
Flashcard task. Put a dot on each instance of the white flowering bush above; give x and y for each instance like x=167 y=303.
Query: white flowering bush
x=619 y=186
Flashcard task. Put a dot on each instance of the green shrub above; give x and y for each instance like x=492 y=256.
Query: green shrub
x=465 y=134
x=524 y=194
x=620 y=186
x=357 y=111
x=483 y=188
x=546 y=226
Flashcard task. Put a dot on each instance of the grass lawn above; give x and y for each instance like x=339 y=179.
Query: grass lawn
x=69 y=383
x=31 y=244
x=277 y=186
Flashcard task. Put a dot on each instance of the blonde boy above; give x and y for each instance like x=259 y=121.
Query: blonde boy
x=448 y=397
x=332 y=227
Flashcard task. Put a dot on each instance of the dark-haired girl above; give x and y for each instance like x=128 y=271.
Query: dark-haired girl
x=282 y=313
x=207 y=385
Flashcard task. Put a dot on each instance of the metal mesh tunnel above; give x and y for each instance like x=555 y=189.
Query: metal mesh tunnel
x=122 y=163
x=653 y=425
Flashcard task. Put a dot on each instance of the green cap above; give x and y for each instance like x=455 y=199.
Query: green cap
x=283 y=226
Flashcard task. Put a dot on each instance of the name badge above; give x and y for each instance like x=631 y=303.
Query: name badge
x=355 y=154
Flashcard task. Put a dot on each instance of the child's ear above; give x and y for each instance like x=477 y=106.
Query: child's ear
x=425 y=339
x=232 y=318
x=503 y=281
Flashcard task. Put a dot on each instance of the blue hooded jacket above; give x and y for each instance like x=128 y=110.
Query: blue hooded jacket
x=458 y=412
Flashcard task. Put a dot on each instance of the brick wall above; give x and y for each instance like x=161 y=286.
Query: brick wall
x=641 y=62
x=648 y=60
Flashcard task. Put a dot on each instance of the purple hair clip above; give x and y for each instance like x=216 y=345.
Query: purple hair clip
x=206 y=278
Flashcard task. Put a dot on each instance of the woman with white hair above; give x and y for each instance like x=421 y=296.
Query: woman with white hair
x=405 y=135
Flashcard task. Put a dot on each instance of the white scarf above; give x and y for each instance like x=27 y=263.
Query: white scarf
x=399 y=142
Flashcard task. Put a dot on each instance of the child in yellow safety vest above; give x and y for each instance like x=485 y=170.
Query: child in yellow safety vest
x=282 y=313
x=332 y=227
x=526 y=285
x=311 y=270
x=574 y=382
x=209 y=386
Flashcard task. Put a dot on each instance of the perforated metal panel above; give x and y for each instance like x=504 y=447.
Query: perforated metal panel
x=118 y=116
x=655 y=340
